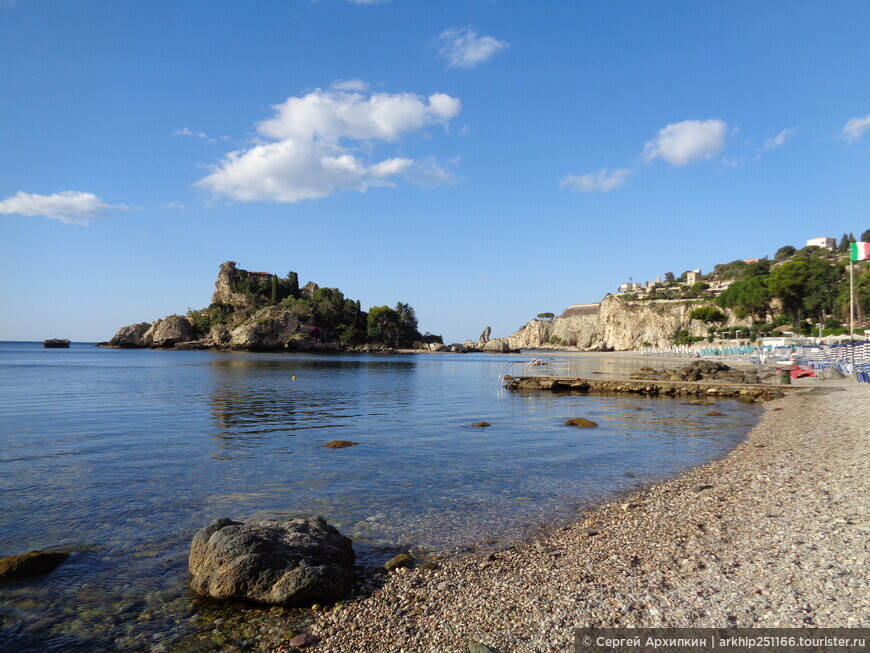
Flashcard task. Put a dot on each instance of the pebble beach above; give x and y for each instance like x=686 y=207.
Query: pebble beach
x=775 y=534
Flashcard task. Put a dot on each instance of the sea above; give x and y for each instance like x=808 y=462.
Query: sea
x=121 y=455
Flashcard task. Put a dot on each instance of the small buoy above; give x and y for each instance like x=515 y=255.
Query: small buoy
x=292 y=378
x=454 y=369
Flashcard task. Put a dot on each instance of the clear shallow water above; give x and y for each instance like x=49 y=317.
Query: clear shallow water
x=122 y=455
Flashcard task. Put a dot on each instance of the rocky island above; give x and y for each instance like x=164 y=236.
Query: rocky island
x=259 y=311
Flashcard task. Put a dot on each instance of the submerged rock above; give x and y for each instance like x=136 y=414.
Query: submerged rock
x=33 y=563
x=296 y=562
x=340 y=444
x=581 y=422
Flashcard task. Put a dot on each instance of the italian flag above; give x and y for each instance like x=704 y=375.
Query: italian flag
x=860 y=251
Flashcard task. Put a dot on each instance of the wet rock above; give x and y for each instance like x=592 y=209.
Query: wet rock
x=33 y=563
x=302 y=640
x=340 y=444
x=714 y=413
x=295 y=562
x=401 y=560
x=481 y=425
x=581 y=422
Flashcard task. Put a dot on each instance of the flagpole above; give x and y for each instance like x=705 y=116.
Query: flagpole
x=852 y=308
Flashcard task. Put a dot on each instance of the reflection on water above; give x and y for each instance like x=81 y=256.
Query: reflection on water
x=122 y=455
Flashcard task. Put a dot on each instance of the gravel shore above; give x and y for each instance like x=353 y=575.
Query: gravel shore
x=774 y=534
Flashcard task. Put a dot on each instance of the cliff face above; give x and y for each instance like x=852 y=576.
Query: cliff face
x=223 y=287
x=617 y=325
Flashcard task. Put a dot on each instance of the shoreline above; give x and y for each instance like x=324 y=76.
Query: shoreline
x=772 y=534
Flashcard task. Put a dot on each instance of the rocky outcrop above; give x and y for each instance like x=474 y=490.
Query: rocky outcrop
x=168 y=332
x=56 y=343
x=130 y=337
x=618 y=325
x=223 y=287
x=307 y=291
x=297 y=562
x=268 y=328
x=700 y=370
x=497 y=346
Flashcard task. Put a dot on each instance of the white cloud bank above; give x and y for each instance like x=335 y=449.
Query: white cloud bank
x=312 y=141
x=70 y=207
x=602 y=181
x=684 y=142
x=854 y=128
x=463 y=48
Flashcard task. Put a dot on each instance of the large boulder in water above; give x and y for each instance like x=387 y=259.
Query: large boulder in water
x=132 y=336
x=297 y=562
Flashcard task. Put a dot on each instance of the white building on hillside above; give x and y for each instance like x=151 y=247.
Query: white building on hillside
x=827 y=243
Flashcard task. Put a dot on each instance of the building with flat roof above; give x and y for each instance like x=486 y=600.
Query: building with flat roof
x=582 y=309
x=827 y=243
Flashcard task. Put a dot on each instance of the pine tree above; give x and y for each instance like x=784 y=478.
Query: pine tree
x=293 y=283
x=844 y=244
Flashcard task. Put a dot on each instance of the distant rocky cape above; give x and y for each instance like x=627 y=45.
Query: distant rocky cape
x=270 y=328
x=619 y=325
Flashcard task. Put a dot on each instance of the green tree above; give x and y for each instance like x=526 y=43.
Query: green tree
x=383 y=326
x=749 y=297
x=806 y=286
x=669 y=277
x=546 y=316
x=784 y=252
x=293 y=284
x=865 y=237
x=844 y=244
x=408 y=332
x=708 y=314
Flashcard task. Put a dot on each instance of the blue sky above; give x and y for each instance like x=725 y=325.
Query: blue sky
x=482 y=160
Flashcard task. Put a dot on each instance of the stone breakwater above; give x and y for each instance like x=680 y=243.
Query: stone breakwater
x=773 y=535
x=647 y=387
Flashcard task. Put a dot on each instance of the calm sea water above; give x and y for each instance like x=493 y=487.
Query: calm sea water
x=121 y=455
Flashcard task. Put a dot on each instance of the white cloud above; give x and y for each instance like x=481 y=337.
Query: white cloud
x=175 y=205
x=602 y=181
x=684 y=142
x=463 y=48
x=189 y=133
x=70 y=207
x=312 y=141
x=780 y=139
x=855 y=127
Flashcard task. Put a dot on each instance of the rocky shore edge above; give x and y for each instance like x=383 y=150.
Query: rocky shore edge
x=773 y=535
